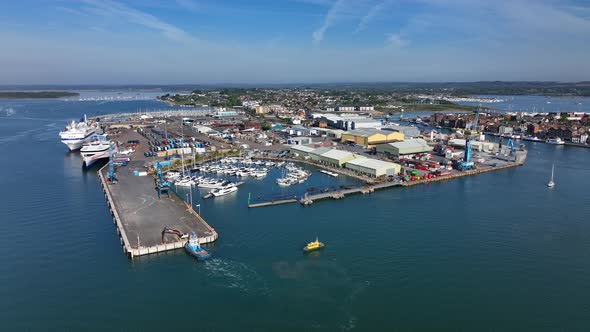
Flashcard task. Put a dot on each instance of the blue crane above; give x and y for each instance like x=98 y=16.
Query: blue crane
x=111 y=165
x=162 y=186
x=466 y=164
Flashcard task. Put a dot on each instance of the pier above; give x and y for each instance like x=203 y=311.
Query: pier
x=140 y=217
x=308 y=199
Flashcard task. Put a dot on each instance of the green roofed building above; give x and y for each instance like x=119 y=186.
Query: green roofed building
x=406 y=147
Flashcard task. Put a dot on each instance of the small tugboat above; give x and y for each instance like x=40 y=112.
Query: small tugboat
x=313 y=246
x=193 y=247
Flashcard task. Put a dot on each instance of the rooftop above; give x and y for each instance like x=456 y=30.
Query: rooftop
x=337 y=154
x=372 y=163
x=411 y=143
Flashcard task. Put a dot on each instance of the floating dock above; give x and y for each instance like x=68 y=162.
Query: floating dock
x=140 y=216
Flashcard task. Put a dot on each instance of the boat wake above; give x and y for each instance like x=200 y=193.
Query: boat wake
x=231 y=274
x=7 y=111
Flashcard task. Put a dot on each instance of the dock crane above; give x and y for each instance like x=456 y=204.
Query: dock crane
x=507 y=150
x=466 y=164
x=162 y=186
x=111 y=166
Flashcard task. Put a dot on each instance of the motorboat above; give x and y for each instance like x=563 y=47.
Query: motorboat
x=224 y=191
x=313 y=246
x=556 y=141
x=551 y=183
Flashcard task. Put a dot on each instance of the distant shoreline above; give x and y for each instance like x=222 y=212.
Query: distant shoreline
x=36 y=94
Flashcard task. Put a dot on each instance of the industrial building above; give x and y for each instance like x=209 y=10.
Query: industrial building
x=347 y=121
x=475 y=145
x=370 y=137
x=299 y=141
x=406 y=147
x=373 y=167
x=406 y=130
x=330 y=156
x=301 y=150
x=337 y=158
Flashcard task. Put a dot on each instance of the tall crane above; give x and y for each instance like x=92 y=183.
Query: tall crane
x=111 y=166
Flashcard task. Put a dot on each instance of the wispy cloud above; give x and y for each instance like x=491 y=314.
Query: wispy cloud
x=113 y=9
x=331 y=16
x=70 y=10
x=373 y=12
x=396 y=40
x=189 y=5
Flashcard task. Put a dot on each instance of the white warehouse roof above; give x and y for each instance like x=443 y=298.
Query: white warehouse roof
x=372 y=163
x=337 y=154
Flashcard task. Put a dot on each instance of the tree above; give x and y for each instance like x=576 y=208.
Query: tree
x=266 y=126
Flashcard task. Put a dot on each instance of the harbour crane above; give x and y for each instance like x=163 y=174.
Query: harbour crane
x=466 y=164
x=111 y=166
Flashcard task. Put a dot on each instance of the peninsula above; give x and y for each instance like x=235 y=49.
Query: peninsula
x=36 y=94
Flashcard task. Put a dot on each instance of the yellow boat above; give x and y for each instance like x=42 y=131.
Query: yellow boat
x=312 y=246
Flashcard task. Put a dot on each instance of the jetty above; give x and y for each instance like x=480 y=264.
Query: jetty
x=140 y=216
x=310 y=198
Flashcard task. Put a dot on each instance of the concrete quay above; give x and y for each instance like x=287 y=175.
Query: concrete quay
x=140 y=216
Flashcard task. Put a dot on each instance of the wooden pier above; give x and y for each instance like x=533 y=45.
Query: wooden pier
x=140 y=217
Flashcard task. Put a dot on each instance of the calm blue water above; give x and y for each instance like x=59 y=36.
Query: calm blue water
x=540 y=104
x=496 y=252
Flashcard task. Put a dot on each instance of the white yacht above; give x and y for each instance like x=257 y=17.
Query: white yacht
x=76 y=133
x=556 y=141
x=95 y=150
x=225 y=190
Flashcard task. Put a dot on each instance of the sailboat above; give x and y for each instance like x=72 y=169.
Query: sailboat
x=551 y=184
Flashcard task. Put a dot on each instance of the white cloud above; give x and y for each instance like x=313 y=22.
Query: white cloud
x=113 y=9
x=372 y=13
x=396 y=40
x=331 y=16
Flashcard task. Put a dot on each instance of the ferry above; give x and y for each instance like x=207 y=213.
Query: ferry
x=313 y=246
x=76 y=133
x=95 y=150
x=193 y=248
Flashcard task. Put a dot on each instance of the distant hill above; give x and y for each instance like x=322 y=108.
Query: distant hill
x=36 y=94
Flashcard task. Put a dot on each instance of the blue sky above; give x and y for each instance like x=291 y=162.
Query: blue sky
x=292 y=41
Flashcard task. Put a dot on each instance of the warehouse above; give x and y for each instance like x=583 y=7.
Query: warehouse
x=406 y=147
x=301 y=150
x=369 y=137
x=336 y=158
x=475 y=145
x=373 y=167
x=316 y=155
x=406 y=130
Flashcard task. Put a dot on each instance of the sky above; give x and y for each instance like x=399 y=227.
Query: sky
x=292 y=41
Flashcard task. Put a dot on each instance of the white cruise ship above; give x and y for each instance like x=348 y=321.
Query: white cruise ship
x=76 y=133
x=95 y=150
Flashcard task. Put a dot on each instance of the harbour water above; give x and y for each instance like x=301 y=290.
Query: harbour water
x=498 y=251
